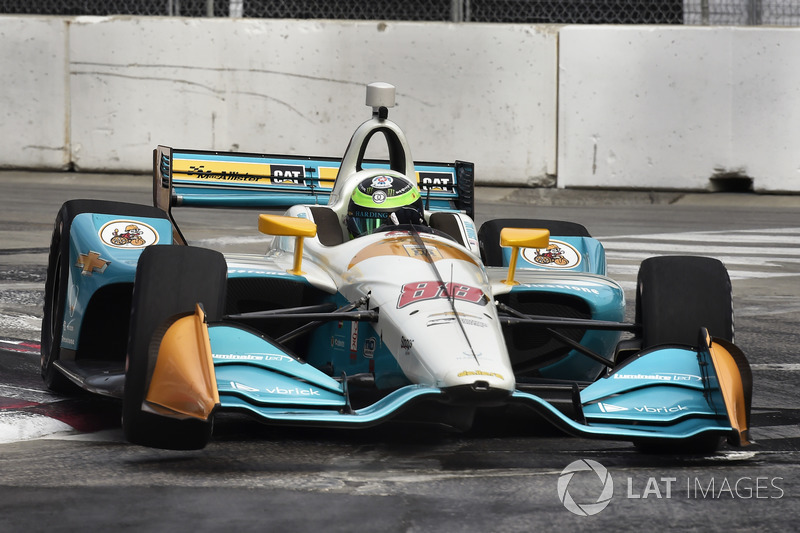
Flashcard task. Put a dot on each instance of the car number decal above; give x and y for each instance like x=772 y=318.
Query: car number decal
x=419 y=291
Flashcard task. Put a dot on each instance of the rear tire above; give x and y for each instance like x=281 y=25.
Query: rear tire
x=57 y=280
x=489 y=234
x=677 y=295
x=170 y=280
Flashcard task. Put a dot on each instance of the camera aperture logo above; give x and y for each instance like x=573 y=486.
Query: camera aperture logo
x=605 y=486
x=585 y=488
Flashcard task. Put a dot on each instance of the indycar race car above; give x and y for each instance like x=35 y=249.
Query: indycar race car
x=378 y=299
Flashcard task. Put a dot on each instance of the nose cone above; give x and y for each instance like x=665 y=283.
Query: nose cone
x=496 y=378
x=478 y=387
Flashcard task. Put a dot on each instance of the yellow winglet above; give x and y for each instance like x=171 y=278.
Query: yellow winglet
x=183 y=380
x=289 y=227
x=518 y=238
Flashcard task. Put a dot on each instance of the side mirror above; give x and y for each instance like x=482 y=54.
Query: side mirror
x=518 y=238
x=289 y=227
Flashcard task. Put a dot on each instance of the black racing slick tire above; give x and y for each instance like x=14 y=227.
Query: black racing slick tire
x=489 y=234
x=56 y=281
x=170 y=281
x=677 y=295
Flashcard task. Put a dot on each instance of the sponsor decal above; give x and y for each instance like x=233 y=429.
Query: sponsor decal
x=398 y=233
x=436 y=248
x=558 y=254
x=90 y=263
x=379 y=196
x=469 y=356
x=382 y=182
x=281 y=391
x=296 y=391
x=414 y=250
x=256 y=271
x=575 y=288
x=72 y=299
x=435 y=181
x=660 y=410
x=610 y=408
x=242 y=387
x=65 y=339
x=128 y=234
x=663 y=410
x=353 y=340
x=661 y=376
x=337 y=343
x=406 y=344
x=203 y=172
x=439 y=319
x=251 y=357
x=419 y=291
x=287 y=174
x=369 y=347
x=466 y=373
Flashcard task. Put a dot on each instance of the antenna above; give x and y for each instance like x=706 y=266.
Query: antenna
x=380 y=97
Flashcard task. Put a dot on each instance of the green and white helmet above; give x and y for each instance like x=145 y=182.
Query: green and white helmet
x=376 y=198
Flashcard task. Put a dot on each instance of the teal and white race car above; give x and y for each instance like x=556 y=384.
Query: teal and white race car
x=378 y=298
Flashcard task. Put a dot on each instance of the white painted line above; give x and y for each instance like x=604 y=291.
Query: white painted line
x=786 y=367
x=27 y=394
x=21 y=322
x=631 y=270
x=106 y=435
x=790 y=431
x=17 y=426
x=742 y=259
x=751 y=235
x=701 y=248
x=232 y=240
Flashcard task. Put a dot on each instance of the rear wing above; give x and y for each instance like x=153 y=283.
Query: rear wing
x=196 y=178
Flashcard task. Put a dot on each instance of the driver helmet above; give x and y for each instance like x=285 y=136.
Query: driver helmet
x=375 y=199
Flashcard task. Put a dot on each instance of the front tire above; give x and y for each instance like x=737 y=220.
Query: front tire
x=677 y=295
x=170 y=281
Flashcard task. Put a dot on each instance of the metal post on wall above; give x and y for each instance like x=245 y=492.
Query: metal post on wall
x=754 y=12
x=459 y=10
x=456 y=11
x=236 y=9
x=705 y=15
x=209 y=8
x=174 y=8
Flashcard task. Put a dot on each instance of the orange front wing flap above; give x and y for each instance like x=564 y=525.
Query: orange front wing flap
x=183 y=382
x=735 y=382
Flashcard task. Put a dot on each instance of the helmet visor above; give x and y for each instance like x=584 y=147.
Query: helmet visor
x=361 y=225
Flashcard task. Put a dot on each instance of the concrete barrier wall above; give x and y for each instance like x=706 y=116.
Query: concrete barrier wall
x=34 y=102
x=607 y=106
x=659 y=107
x=484 y=93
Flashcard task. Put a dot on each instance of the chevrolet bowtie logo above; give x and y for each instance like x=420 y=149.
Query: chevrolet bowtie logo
x=91 y=262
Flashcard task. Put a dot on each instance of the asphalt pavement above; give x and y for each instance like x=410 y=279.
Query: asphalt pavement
x=78 y=472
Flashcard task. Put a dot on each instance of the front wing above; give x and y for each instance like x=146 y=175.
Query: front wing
x=665 y=394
